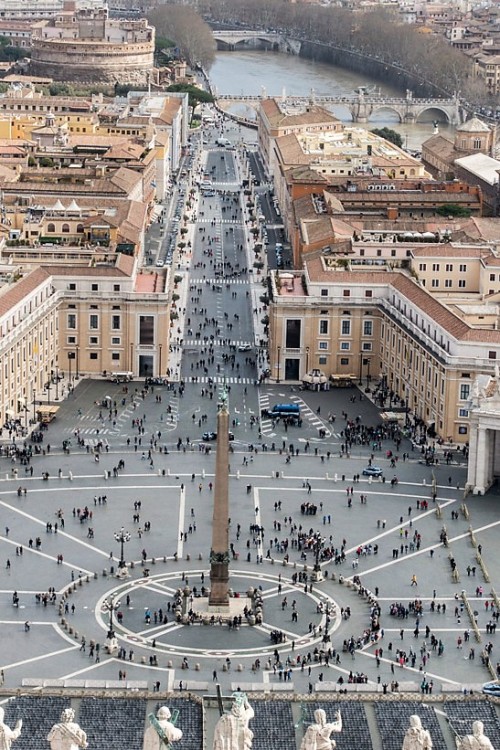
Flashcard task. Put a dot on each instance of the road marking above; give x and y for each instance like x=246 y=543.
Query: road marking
x=180 y=535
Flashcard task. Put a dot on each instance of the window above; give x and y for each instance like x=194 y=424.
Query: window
x=93 y=322
x=463 y=412
x=324 y=292
x=435 y=283
x=449 y=266
x=346 y=328
x=368 y=293
x=51 y=227
x=94 y=287
x=345 y=346
x=323 y=344
x=115 y=356
x=94 y=340
x=367 y=346
x=71 y=340
x=72 y=321
x=79 y=228
x=346 y=292
x=116 y=287
x=461 y=283
x=116 y=340
x=146 y=330
x=367 y=328
x=422 y=267
x=65 y=228
x=462 y=268
x=72 y=287
x=492 y=355
x=93 y=355
x=464 y=391
x=344 y=361
x=435 y=266
x=492 y=277
x=116 y=322
x=322 y=360
x=293 y=331
x=448 y=283
x=323 y=327
x=462 y=429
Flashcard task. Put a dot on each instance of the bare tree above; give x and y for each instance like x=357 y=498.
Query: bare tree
x=188 y=30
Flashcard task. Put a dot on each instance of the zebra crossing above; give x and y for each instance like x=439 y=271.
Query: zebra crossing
x=307 y=413
x=266 y=424
x=218 y=380
x=189 y=343
x=218 y=221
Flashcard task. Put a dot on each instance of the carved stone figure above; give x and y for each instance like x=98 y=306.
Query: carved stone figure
x=67 y=735
x=232 y=731
x=318 y=734
x=416 y=737
x=7 y=735
x=162 y=732
x=475 y=741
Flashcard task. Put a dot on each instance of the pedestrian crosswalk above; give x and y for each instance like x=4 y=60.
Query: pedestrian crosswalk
x=218 y=380
x=312 y=417
x=218 y=221
x=190 y=343
x=219 y=280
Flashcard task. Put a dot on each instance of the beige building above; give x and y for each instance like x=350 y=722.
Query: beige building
x=82 y=320
x=426 y=342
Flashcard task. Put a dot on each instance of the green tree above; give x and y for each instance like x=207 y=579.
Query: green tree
x=453 y=209
x=390 y=135
x=192 y=36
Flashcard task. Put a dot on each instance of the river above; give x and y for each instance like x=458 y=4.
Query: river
x=254 y=72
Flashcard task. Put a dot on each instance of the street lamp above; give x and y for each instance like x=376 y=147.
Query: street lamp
x=57 y=382
x=368 y=376
x=131 y=357
x=360 y=368
x=160 y=346
x=307 y=359
x=49 y=383
x=111 y=605
x=279 y=363
x=71 y=356
x=77 y=376
x=34 y=405
x=122 y=536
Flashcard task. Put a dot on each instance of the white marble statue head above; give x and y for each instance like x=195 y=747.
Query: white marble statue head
x=477 y=728
x=320 y=716
x=2 y=714
x=67 y=715
x=415 y=722
x=164 y=713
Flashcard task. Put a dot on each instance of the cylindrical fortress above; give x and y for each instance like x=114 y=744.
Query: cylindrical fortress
x=88 y=46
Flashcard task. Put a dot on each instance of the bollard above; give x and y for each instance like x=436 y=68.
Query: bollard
x=70 y=476
x=105 y=474
x=238 y=474
x=168 y=472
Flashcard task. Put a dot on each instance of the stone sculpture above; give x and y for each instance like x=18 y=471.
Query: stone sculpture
x=232 y=731
x=162 y=731
x=317 y=736
x=67 y=735
x=7 y=735
x=416 y=737
x=475 y=741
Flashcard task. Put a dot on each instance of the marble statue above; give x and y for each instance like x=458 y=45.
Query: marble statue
x=317 y=736
x=475 y=741
x=67 y=735
x=416 y=737
x=162 y=732
x=232 y=731
x=7 y=735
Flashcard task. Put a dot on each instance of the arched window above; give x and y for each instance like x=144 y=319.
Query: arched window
x=51 y=227
x=65 y=228
x=79 y=229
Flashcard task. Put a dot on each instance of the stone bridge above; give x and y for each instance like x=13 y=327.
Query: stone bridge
x=362 y=106
x=230 y=39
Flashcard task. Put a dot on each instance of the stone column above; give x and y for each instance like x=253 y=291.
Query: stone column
x=219 y=554
x=482 y=458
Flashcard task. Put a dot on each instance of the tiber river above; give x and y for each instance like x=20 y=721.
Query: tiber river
x=251 y=72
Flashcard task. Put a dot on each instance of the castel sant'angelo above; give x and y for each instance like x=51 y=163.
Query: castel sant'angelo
x=86 y=45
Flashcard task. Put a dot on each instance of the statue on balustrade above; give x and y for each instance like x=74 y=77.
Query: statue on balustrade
x=416 y=737
x=317 y=736
x=67 y=735
x=232 y=731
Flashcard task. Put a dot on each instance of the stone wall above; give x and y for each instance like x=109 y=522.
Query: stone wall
x=91 y=61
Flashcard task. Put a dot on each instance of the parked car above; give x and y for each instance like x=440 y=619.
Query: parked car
x=210 y=435
x=492 y=688
x=372 y=471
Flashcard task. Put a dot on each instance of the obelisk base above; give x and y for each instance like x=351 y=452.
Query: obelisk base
x=219 y=584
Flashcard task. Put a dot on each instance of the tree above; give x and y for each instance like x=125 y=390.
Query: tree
x=390 y=135
x=453 y=209
x=193 y=37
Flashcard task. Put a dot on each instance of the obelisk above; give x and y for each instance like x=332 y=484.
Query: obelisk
x=219 y=554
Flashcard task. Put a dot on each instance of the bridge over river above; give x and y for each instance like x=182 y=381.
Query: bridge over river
x=363 y=105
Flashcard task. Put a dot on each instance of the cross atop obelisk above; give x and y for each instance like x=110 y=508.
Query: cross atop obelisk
x=219 y=554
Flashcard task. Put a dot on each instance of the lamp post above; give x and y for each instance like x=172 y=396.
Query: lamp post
x=34 y=405
x=368 y=376
x=407 y=419
x=57 y=382
x=70 y=360
x=122 y=536
x=279 y=363
x=49 y=383
x=160 y=346
x=307 y=359
x=77 y=376
x=360 y=368
x=111 y=605
x=131 y=357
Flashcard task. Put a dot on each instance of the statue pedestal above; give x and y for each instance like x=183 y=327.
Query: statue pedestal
x=123 y=572
x=317 y=576
x=204 y=610
x=111 y=645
